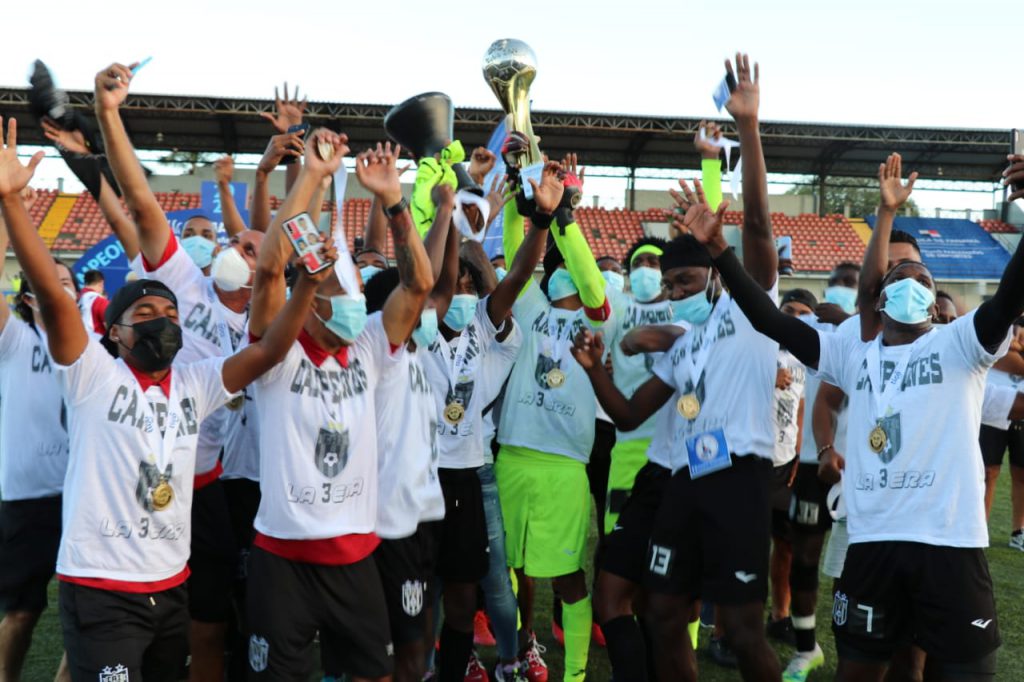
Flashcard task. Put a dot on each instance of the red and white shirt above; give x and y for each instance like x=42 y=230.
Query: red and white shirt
x=209 y=329
x=117 y=534
x=33 y=429
x=93 y=306
x=318 y=450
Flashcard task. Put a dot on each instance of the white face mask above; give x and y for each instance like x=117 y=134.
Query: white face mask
x=230 y=271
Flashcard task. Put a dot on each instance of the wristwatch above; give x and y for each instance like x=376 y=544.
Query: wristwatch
x=392 y=211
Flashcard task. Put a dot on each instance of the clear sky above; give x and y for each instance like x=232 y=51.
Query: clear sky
x=900 y=62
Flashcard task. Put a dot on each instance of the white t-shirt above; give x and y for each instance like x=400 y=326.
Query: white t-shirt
x=112 y=528
x=736 y=390
x=534 y=415
x=209 y=329
x=631 y=372
x=1002 y=380
x=318 y=440
x=809 y=446
x=927 y=485
x=33 y=426
x=87 y=304
x=407 y=448
x=787 y=407
x=485 y=365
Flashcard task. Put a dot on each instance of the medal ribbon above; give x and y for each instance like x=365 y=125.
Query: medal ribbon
x=459 y=358
x=699 y=360
x=878 y=407
x=163 y=446
x=558 y=344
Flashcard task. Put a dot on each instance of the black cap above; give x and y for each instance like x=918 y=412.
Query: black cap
x=125 y=297
x=800 y=296
x=685 y=252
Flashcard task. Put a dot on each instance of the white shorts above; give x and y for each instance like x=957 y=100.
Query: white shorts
x=835 y=553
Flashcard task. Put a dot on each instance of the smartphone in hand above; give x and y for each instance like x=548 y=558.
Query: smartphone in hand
x=297 y=128
x=305 y=239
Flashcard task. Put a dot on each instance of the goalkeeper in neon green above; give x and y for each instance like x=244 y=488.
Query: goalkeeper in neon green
x=547 y=424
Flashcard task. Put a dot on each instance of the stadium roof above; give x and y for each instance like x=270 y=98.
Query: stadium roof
x=214 y=124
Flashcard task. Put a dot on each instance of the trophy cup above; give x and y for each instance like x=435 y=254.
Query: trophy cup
x=422 y=124
x=509 y=67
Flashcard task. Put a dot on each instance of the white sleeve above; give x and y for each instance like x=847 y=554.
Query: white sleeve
x=529 y=304
x=995 y=409
x=664 y=367
x=839 y=359
x=970 y=348
x=206 y=377
x=14 y=335
x=374 y=340
x=94 y=369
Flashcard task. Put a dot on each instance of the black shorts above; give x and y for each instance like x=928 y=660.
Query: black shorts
x=895 y=593
x=711 y=536
x=407 y=569
x=627 y=543
x=463 y=552
x=995 y=442
x=243 y=498
x=121 y=636
x=29 y=540
x=782 y=496
x=213 y=557
x=808 y=507
x=290 y=601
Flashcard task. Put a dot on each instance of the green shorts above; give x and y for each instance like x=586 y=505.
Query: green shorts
x=628 y=457
x=545 y=501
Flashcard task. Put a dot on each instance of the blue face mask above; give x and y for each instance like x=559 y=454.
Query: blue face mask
x=614 y=279
x=500 y=272
x=348 y=316
x=368 y=271
x=425 y=334
x=560 y=285
x=694 y=309
x=645 y=283
x=461 y=311
x=199 y=249
x=844 y=297
x=908 y=301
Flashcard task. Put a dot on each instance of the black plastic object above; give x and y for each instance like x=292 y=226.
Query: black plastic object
x=422 y=124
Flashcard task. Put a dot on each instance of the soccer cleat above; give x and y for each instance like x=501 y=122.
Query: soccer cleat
x=1017 y=540
x=721 y=653
x=557 y=633
x=802 y=665
x=475 y=670
x=536 y=668
x=781 y=630
x=598 y=636
x=482 y=635
x=513 y=674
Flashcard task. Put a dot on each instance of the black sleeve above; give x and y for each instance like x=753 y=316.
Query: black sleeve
x=798 y=338
x=995 y=315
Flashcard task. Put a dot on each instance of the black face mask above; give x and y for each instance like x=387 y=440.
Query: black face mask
x=157 y=341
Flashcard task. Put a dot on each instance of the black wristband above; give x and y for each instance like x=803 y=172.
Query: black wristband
x=540 y=220
x=392 y=211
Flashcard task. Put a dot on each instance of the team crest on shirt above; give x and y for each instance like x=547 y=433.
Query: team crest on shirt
x=259 y=649
x=462 y=393
x=545 y=365
x=839 y=605
x=150 y=477
x=891 y=426
x=331 y=453
x=118 y=673
x=412 y=597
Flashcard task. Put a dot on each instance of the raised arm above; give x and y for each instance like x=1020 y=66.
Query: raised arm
x=377 y=173
x=447 y=279
x=149 y=218
x=268 y=295
x=436 y=239
x=224 y=168
x=759 y=254
x=316 y=204
x=876 y=257
x=278 y=148
x=65 y=333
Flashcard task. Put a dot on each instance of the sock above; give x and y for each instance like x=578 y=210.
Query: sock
x=455 y=650
x=577 y=622
x=694 y=629
x=1018 y=531
x=803 y=626
x=626 y=649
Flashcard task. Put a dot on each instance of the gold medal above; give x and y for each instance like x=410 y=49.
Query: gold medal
x=454 y=413
x=688 y=406
x=163 y=495
x=878 y=439
x=556 y=377
x=325 y=149
x=236 y=403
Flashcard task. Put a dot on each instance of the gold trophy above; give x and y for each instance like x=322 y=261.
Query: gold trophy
x=509 y=68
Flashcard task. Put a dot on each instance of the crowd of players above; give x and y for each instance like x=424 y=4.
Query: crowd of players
x=234 y=458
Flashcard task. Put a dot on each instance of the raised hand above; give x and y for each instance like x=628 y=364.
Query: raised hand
x=329 y=254
x=224 y=169
x=280 y=146
x=548 y=194
x=375 y=170
x=29 y=196
x=588 y=349
x=481 y=162
x=745 y=99
x=314 y=163
x=14 y=176
x=704 y=145
x=289 y=111
x=443 y=196
x=1014 y=175
x=69 y=140
x=894 y=192
x=570 y=166
x=694 y=216
x=498 y=196
x=111 y=86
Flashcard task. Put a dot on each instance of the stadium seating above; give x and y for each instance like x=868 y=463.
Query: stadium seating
x=998 y=227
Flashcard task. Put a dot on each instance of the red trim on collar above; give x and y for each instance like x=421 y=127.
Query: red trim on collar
x=146 y=381
x=317 y=354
